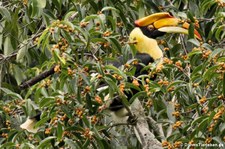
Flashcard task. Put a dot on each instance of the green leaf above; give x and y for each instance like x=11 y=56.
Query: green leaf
x=175 y=50
x=112 y=85
x=216 y=52
x=206 y=5
x=35 y=9
x=10 y=93
x=210 y=73
x=85 y=34
x=43 y=36
x=203 y=125
x=5 y=14
x=212 y=30
x=125 y=101
x=86 y=121
x=224 y=84
x=58 y=57
x=86 y=143
x=58 y=5
x=190 y=16
x=116 y=70
x=27 y=145
x=22 y=51
x=198 y=120
x=177 y=82
x=141 y=93
x=8 y=145
x=197 y=71
x=59 y=131
x=8 y=48
x=68 y=23
x=115 y=44
x=41 y=3
x=19 y=75
x=110 y=8
x=191 y=34
x=46 y=102
x=194 y=41
x=90 y=17
x=41 y=122
x=71 y=143
x=44 y=143
x=207 y=46
x=69 y=14
x=38 y=5
x=211 y=117
x=30 y=106
x=194 y=52
x=218 y=32
x=112 y=21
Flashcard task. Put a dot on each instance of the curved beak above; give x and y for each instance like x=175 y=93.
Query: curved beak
x=166 y=23
x=152 y=18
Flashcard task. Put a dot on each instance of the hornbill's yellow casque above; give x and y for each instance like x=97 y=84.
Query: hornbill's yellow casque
x=158 y=24
x=148 y=51
x=142 y=37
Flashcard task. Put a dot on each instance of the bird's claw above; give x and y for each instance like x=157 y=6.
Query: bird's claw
x=132 y=119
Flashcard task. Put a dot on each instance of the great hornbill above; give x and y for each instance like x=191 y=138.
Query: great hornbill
x=143 y=38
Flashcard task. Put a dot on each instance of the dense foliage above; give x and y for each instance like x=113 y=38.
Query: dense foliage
x=78 y=38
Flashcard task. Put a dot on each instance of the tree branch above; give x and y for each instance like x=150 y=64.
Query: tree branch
x=8 y=57
x=156 y=128
x=142 y=132
x=37 y=79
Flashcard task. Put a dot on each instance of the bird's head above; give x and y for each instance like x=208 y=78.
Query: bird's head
x=144 y=44
x=136 y=36
x=158 y=24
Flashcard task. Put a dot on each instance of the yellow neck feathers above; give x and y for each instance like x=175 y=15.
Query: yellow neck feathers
x=143 y=44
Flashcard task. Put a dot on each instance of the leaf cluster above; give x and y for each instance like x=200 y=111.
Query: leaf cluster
x=80 y=38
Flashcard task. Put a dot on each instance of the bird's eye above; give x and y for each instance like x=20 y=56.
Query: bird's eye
x=150 y=27
x=134 y=40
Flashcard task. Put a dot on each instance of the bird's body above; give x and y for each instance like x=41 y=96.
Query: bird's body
x=143 y=59
x=142 y=37
x=148 y=52
x=116 y=106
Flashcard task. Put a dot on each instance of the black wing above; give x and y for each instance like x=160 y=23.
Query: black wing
x=121 y=60
x=141 y=57
x=37 y=116
x=144 y=59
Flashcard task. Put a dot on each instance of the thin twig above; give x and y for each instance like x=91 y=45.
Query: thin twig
x=72 y=17
x=183 y=44
x=205 y=19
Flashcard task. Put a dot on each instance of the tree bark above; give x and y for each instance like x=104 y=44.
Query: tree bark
x=142 y=131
